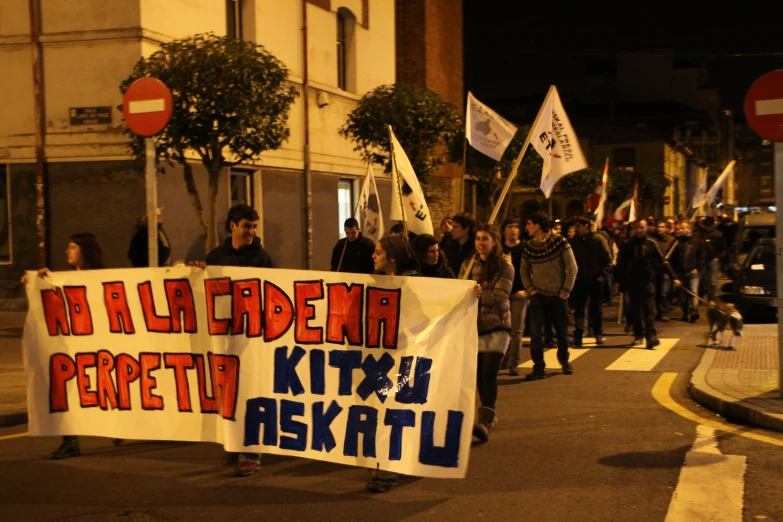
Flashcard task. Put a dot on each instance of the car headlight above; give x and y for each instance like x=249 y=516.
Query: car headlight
x=754 y=290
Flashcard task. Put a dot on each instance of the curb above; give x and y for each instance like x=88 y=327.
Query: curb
x=13 y=418
x=730 y=408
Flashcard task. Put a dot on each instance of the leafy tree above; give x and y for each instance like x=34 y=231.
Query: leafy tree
x=231 y=103
x=426 y=125
x=581 y=184
x=651 y=186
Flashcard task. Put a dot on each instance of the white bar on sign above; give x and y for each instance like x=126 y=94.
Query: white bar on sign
x=768 y=107
x=139 y=107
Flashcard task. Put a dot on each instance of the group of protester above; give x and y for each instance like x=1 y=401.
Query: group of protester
x=524 y=281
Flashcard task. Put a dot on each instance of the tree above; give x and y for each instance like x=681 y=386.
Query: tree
x=651 y=186
x=581 y=184
x=231 y=103
x=426 y=125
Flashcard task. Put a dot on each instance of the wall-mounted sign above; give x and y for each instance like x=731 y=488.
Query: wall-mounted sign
x=90 y=115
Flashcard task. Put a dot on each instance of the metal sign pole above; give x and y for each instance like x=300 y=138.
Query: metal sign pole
x=779 y=253
x=151 y=185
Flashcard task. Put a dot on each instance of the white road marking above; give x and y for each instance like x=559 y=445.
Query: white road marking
x=143 y=106
x=769 y=107
x=550 y=357
x=641 y=359
x=711 y=485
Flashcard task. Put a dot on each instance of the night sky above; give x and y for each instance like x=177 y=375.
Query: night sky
x=519 y=50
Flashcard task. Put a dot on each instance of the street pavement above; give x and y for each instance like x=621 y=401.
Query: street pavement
x=621 y=439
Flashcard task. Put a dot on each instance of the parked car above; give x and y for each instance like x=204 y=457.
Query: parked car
x=754 y=288
x=752 y=228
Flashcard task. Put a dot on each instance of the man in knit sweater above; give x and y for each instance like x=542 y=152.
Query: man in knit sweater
x=548 y=272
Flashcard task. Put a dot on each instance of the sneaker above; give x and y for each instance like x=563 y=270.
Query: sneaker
x=652 y=343
x=637 y=341
x=664 y=319
x=536 y=375
x=245 y=468
x=481 y=431
x=69 y=448
x=568 y=369
x=695 y=317
x=381 y=484
x=599 y=339
x=513 y=370
x=117 y=442
x=628 y=327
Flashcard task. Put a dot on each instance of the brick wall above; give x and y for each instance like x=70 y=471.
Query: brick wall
x=409 y=35
x=442 y=199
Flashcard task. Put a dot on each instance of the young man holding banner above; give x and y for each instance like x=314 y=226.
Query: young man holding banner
x=242 y=248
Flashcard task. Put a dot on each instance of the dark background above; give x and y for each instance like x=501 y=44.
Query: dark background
x=514 y=50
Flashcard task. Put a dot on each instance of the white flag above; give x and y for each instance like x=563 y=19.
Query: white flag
x=599 y=212
x=369 y=208
x=416 y=212
x=555 y=140
x=701 y=191
x=719 y=182
x=486 y=130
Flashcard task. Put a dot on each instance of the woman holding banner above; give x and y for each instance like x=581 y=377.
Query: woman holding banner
x=84 y=252
x=494 y=273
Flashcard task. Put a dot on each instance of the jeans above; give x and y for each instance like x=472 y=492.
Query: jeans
x=662 y=293
x=541 y=305
x=689 y=303
x=588 y=291
x=709 y=279
x=642 y=310
x=518 y=313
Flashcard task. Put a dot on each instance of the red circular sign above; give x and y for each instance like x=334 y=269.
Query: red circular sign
x=764 y=106
x=147 y=106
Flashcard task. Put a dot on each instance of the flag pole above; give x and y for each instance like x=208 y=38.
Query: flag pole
x=399 y=181
x=514 y=170
x=462 y=186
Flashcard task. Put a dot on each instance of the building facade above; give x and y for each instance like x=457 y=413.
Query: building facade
x=94 y=184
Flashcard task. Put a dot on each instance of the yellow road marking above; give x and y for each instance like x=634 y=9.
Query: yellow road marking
x=661 y=392
x=14 y=436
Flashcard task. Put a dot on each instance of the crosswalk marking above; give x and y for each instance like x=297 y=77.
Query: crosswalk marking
x=641 y=359
x=550 y=357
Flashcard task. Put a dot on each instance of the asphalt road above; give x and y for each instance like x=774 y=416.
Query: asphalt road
x=592 y=446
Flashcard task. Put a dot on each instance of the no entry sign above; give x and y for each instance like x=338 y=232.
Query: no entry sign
x=147 y=106
x=764 y=106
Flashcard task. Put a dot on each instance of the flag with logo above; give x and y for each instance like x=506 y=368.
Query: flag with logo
x=701 y=191
x=414 y=206
x=628 y=209
x=600 y=201
x=555 y=140
x=369 y=208
x=486 y=130
x=713 y=193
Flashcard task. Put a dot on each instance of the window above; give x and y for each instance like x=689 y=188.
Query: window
x=346 y=63
x=344 y=202
x=5 y=216
x=241 y=187
x=234 y=18
x=624 y=158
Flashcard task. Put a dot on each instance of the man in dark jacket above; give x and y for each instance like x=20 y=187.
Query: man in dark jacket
x=241 y=248
x=687 y=260
x=353 y=253
x=665 y=239
x=717 y=251
x=463 y=240
x=594 y=263
x=512 y=246
x=638 y=262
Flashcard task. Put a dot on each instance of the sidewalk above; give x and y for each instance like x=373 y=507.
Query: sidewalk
x=13 y=386
x=742 y=384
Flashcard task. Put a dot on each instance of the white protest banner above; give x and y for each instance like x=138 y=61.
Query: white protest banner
x=713 y=193
x=347 y=368
x=487 y=131
x=555 y=140
x=369 y=209
x=417 y=215
x=701 y=191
